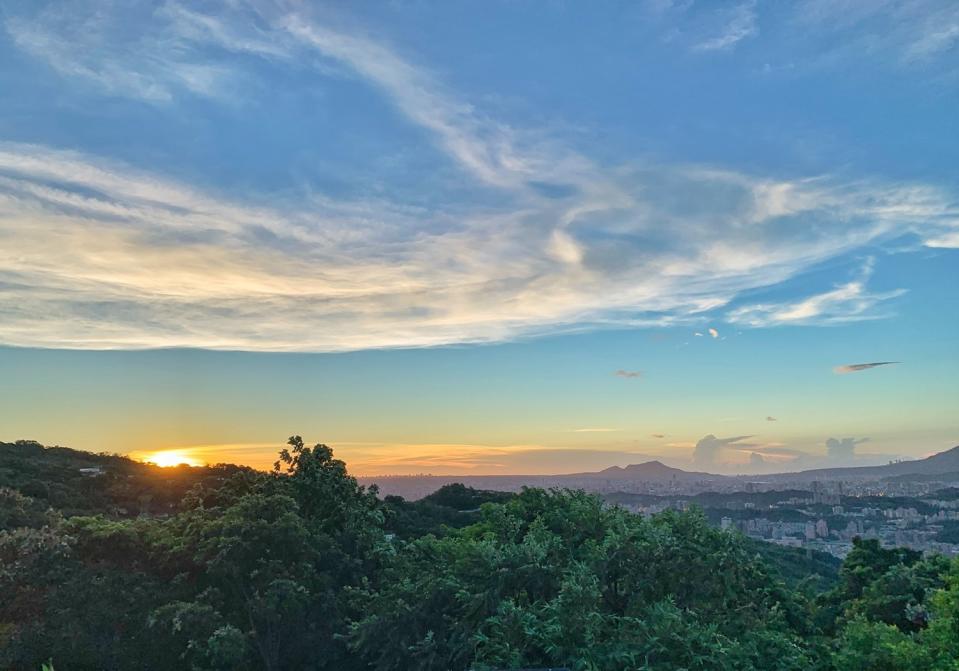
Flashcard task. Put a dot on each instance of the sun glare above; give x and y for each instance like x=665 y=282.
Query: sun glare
x=167 y=458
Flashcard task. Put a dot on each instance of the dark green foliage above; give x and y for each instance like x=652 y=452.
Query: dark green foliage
x=809 y=570
x=17 y=510
x=53 y=476
x=557 y=579
x=463 y=498
x=226 y=568
x=450 y=507
x=254 y=571
x=893 y=610
x=884 y=585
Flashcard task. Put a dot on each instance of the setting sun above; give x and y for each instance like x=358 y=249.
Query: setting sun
x=167 y=458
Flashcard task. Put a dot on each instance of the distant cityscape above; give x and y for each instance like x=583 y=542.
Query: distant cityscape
x=829 y=515
x=912 y=504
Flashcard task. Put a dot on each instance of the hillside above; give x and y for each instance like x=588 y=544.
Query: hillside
x=304 y=569
x=936 y=464
x=75 y=482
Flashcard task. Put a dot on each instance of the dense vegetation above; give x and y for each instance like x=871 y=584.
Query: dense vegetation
x=227 y=568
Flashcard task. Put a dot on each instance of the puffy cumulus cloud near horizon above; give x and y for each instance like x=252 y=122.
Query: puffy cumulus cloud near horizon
x=708 y=449
x=843 y=449
x=738 y=455
x=96 y=253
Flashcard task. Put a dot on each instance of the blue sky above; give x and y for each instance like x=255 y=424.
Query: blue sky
x=431 y=234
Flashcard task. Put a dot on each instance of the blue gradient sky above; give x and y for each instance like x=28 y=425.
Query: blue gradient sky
x=482 y=237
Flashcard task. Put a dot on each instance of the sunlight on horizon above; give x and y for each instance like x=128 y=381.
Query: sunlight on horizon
x=170 y=458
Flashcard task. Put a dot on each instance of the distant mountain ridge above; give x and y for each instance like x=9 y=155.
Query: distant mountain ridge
x=656 y=472
x=936 y=464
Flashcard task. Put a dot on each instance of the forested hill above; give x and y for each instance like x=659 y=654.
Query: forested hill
x=129 y=566
x=77 y=482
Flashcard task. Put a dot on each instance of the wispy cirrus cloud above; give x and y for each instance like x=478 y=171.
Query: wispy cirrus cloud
x=738 y=22
x=913 y=33
x=821 y=35
x=99 y=44
x=101 y=254
x=856 y=367
x=629 y=374
x=486 y=149
x=705 y=28
x=847 y=302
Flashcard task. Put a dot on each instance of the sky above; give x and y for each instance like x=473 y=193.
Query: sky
x=482 y=237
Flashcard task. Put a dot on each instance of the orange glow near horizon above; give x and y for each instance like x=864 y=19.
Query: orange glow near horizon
x=366 y=459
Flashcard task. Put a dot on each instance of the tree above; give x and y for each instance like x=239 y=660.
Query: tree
x=876 y=646
x=557 y=579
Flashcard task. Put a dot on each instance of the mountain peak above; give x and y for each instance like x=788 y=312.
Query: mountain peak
x=654 y=465
x=648 y=470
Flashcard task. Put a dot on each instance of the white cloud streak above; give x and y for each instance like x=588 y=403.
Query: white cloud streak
x=908 y=34
x=741 y=23
x=845 y=303
x=486 y=150
x=96 y=254
x=948 y=240
x=94 y=43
